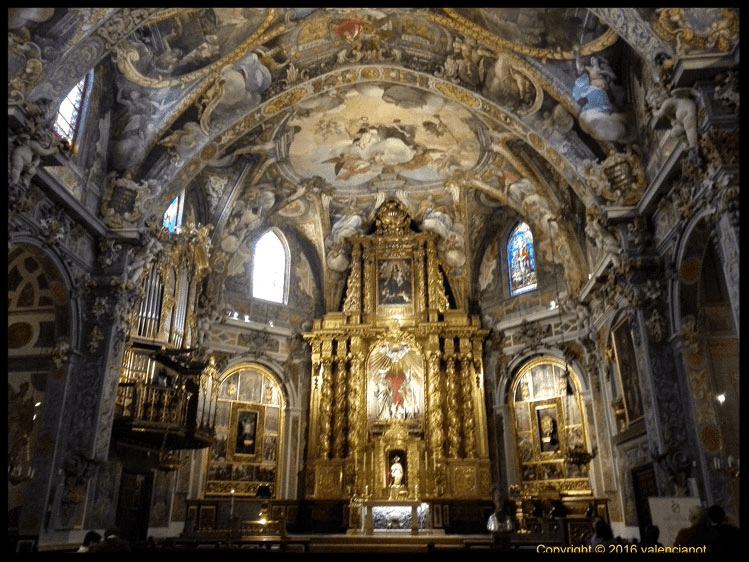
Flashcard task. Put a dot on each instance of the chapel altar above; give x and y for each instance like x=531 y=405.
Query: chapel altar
x=397 y=412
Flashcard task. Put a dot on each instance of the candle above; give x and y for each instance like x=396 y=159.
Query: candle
x=231 y=511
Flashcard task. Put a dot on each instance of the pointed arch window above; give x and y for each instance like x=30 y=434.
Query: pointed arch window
x=173 y=215
x=521 y=260
x=270 y=268
x=73 y=109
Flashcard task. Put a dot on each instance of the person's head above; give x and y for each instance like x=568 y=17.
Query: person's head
x=716 y=514
x=92 y=537
x=602 y=529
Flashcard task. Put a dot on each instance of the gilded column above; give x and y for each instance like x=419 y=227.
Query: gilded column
x=356 y=405
x=421 y=280
x=370 y=281
x=339 y=404
x=466 y=380
x=453 y=419
x=482 y=438
x=314 y=413
x=325 y=407
x=434 y=398
x=355 y=398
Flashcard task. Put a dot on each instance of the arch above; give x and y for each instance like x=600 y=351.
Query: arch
x=550 y=431
x=270 y=267
x=39 y=323
x=250 y=429
x=710 y=353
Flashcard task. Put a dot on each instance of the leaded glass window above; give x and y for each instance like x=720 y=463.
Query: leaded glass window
x=173 y=215
x=521 y=260
x=70 y=113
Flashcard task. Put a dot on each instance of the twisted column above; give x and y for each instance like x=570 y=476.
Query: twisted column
x=469 y=421
x=435 y=406
x=453 y=419
x=339 y=406
x=326 y=393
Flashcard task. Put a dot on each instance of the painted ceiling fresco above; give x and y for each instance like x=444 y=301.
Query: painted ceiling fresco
x=381 y=129
x=312 y=117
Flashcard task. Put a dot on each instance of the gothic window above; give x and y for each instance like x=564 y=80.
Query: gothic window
x=72 y=109
x=270 y=268
x=549 y=429
x=173 y=215
x=521 y=260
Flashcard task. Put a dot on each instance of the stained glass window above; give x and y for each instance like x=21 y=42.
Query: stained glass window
x=269 y=268
x=173 y=215
x=521 y=260
x=70 y=113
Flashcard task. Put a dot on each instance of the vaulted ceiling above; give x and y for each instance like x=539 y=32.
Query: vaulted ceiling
x=311 y=118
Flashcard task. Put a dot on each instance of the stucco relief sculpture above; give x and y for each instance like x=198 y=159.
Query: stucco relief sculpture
x=678 y=108
x=28 y=153
x=599 y=97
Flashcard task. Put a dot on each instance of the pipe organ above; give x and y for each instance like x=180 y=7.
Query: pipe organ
x=397 y=398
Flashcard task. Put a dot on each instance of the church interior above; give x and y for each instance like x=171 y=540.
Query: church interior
x=254 y=302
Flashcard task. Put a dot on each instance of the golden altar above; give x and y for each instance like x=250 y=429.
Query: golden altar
x=397 y=378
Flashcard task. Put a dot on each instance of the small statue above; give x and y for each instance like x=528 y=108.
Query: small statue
x=396 y=472
x=28 y=153
x=679 y=108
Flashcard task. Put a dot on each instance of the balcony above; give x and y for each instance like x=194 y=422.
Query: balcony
x=174 y=410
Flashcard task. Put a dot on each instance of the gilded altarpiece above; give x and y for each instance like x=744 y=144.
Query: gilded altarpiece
x=397 y=399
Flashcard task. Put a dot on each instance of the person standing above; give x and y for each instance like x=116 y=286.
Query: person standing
x=699 y=532
x=727 y=536
x=650 y=536
x=90 y=541
x=602 y=533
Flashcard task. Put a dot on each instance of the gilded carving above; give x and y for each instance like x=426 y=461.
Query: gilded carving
x=390 y=384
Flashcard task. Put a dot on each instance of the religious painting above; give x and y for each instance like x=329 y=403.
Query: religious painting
x=627 y=366
x=547 y=420
x=395 y=384
x=360 y=132
x=249 y=425
x=245 y=432
x=394 y=284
